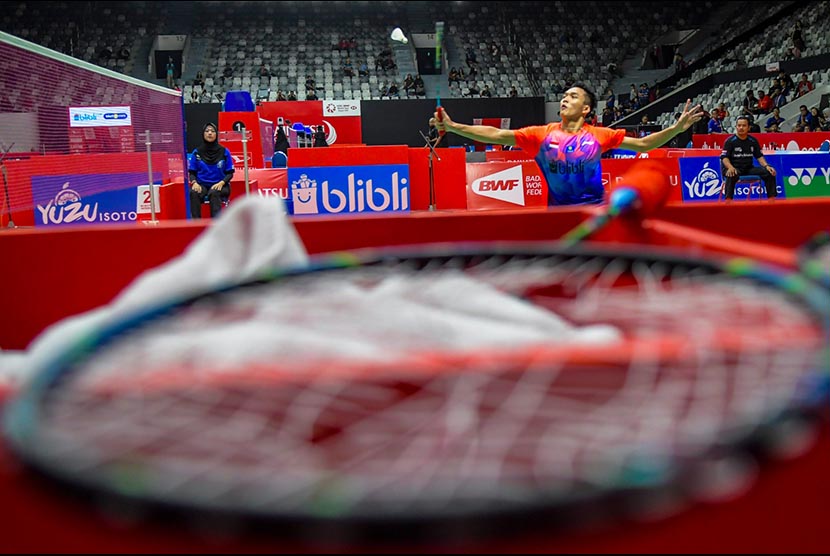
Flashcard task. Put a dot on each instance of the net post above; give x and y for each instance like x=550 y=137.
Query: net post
x=148 y=144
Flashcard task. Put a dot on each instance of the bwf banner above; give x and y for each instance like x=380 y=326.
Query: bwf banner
x=505 y=185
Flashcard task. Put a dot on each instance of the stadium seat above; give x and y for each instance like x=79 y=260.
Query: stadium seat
x=279 y=160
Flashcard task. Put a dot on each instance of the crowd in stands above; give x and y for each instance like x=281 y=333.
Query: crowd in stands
x=288 y=51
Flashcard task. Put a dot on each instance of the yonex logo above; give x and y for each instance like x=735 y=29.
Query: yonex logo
x=503 y=186
x=804 y=176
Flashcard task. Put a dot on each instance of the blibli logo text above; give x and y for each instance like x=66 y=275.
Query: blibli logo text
x=350 y=189
x=86 y=117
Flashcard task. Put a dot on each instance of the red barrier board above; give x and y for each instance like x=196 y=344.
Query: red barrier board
x=505 y=185
x=347 y=156
x=803 y=141
x=614 y=169
x=340 y=118
x=21 y=172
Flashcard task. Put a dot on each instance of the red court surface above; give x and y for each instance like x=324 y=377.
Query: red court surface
x=53 y=274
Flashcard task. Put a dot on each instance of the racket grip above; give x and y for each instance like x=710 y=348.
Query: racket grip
x=440 y=111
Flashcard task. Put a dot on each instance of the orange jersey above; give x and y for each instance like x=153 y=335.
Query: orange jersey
x=570 y=161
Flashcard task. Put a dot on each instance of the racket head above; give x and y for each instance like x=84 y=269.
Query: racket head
x=814 y=258
x=480 y=503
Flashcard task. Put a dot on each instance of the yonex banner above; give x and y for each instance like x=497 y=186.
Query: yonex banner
x=100 y=116
x=349 y=189
x=805 y=175
x=500 y=185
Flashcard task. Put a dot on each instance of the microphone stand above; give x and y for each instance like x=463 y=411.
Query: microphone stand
x=431 y=169
x=3 y=155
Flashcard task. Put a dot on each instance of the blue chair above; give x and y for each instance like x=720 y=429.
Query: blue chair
x=750 y=180
x=279 y=160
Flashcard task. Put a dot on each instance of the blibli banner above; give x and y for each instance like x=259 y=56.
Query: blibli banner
x=349 y=189
x=100 y=116
x=79 y=199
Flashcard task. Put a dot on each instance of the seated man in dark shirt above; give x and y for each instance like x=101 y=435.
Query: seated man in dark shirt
x=737 y=157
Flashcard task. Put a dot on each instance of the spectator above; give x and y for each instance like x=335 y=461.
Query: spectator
x=572 y=178
x=123 y=53
x=485 y=92
x=610 y=98
x=798 y=40
x=348 y=70
x=409 y=83
x=804 y=86
x=513 y=92
x=632 y=95
x=210 y=171
x=227 y=72
x=393 y=90
x=786 y=82
x=281 y=95
x=750 y=103
x=753 y=126
x=765 y=104
x=171 y=70
x=819 y=122
x=773 y=128
x=292 y=95
x=200 y=78
x=776 y=84
x=281 y=143
x=778 y=99
x=679 y=62
x=320 y=137
x=470 y=56
x=420 y=89
x=311 y=95
x=701 y=126
x=452 y=77
x=607 y=116
x=737 y=159
x=363 y=70
x=715 y=125
x=263 y=71
x=804 y=119
x=473 y=90
x=310 y=84
x=194 y=96
x=642 y=95
x=774 y=119
x=722 y=111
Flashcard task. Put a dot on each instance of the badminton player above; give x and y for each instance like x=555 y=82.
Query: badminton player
x=569 y=152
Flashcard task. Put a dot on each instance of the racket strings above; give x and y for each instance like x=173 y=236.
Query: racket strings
x=409 y=438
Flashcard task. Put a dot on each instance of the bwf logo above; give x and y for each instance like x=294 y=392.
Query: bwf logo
x=503 y=186
x=804 y=176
